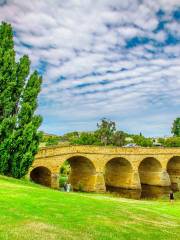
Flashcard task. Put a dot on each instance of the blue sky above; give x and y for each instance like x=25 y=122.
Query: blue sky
x=114 y=59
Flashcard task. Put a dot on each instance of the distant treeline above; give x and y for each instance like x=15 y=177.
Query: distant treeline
x=107 y=134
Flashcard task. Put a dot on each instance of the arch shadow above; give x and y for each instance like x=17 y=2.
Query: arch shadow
x=149 y=169
x=118 y=175
x=82 y=176
x=150 y=174
x=173 y=169
x=41 y=175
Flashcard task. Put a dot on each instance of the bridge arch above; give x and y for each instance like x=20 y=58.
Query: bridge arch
x=149 y=171
x=41 y=175
x=173 y=169
x=82 y=174
x=154 y=181
x=118 y=174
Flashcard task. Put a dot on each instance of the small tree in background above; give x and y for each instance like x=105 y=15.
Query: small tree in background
x=142 y=141
x=19 y=138
x=106 y=130
x=176 y=127
x=119 y=138
x=53 y=141
x=86 y=138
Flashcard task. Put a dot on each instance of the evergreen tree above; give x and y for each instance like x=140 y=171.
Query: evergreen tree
x=176 y=127
x=19 y=138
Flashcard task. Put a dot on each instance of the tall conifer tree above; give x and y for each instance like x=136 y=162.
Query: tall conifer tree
x=19 y=138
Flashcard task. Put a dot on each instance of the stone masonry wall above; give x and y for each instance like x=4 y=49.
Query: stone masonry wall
x=91 y=166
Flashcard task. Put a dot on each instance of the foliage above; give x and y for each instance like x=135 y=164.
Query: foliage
x=106 y=134
x=86 y=138
x=19 y=138
x=170 y=142
x=106 y=130
x=65 y=168
x=62 y=180
x=176 y=127
x=70 y=136
x=64 y=173
x=47 y=137
x=142 y=141
x=51 y=141
x=119 y=138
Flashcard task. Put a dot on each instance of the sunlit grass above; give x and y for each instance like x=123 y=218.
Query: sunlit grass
x=29 y=211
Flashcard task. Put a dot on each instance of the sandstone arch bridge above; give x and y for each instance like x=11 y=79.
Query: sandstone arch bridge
x=99 y=169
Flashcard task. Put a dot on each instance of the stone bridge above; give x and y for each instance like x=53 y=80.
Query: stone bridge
x=98 y=169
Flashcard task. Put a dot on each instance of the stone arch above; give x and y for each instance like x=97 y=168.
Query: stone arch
x=173 y=169
x=149 y=170
x=41 y=175
x=118 y=174
x=154 y=181
x=83 y=173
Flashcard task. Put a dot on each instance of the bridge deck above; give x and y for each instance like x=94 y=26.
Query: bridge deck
x=108 y=150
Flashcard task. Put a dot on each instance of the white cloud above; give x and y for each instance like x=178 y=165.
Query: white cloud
x=84 y=42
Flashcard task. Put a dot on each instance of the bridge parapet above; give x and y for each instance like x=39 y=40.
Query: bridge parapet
x=108 y=150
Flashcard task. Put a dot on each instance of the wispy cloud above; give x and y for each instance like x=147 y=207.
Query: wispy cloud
x=115 y=59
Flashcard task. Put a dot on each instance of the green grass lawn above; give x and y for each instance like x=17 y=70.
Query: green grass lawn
x=29 y=211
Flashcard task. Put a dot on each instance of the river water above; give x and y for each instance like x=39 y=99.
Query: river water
x=147 y=192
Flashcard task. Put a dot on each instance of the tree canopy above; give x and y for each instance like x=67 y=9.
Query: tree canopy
x=19 y=138
x=176 y=127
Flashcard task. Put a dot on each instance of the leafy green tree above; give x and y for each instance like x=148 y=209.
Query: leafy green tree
x=142 y=141
x=119 y=138
x=106 y=134
x=161 y=141
x=173 y=142
x=106 y=130
x=64 y=173
x=11 y=81
x=52 y=141
x=65 y=169
x=19 y=138
x=86 y=138
x=170 y=142
x=70 y=136
x=176 y=127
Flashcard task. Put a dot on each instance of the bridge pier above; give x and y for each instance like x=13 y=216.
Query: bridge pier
x=136 y=183
x=164 y=179
x=100 y=183
x=55 y=180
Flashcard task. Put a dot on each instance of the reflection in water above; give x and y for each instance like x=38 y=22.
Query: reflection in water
x=175 y=187
x=153 y=191
x=122 y=192
x=146 y=192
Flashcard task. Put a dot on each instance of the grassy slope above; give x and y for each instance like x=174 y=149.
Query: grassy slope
x=28 y=211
